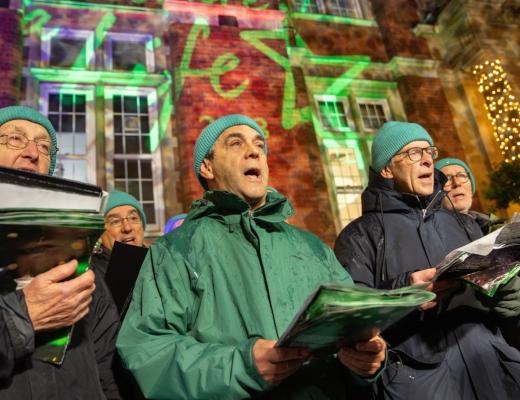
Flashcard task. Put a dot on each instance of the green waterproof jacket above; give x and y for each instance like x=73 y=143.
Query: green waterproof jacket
x=207 y=291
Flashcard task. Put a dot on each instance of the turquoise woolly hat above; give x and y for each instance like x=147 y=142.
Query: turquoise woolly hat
x=30 y=114
x=212 y=132
x=455 y=161
x=391 y=138
x=117 y=198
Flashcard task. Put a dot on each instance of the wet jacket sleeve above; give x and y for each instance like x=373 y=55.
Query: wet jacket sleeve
x=156 y=346
x=360 y=250
x=16 y=332
x=104 y=333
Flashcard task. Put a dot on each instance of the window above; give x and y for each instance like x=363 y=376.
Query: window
x=308 y=6
x=67 y=48
x=344 y=8
x=348 y=175
x=333 y=113
x=133 y=149
x=71 y=112
x=374 y=113
x=129 y=52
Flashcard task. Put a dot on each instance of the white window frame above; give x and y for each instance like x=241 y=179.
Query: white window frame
x=90 y=121
x=49 y=33
x=346 y=106
x=155 y=156
x=379 y=102
x=322 y=8
x=145 y=39
x=356 y=148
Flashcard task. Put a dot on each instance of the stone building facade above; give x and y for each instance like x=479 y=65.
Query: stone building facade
x=130 y=84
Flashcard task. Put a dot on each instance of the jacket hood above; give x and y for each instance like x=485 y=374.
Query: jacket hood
x=226 y=206
x=381 y=196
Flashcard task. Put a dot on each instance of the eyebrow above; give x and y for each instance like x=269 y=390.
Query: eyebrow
x=41 y=135
x=241 y=136
x=132 y=212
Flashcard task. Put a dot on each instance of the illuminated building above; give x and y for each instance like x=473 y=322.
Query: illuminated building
x=130 y=84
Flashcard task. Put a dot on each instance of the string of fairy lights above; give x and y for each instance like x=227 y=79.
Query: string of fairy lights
x=502 y=107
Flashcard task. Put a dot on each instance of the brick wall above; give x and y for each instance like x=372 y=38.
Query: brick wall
x=341 y=39
x=396 y=20
x=11 y=57
x=293 y=153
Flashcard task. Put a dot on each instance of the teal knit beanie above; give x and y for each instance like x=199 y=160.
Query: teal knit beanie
x=391 y=138
x=212 y=132
x=455 y=161
x=117 y=198
x=30 y=114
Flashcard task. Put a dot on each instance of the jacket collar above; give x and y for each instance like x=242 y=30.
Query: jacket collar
x=228 y=206
x=381 y=196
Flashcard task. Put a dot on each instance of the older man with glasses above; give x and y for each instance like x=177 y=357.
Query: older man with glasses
x=125 y=222
x=443 y=351
x=52 y=300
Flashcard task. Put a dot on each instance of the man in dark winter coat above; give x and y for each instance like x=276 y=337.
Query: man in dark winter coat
x=443 y=351
x=53 y=299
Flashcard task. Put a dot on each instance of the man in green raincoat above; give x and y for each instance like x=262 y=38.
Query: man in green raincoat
x=214 y=295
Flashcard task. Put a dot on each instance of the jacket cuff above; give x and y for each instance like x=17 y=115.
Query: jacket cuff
x=251 y=365
x=366 y=381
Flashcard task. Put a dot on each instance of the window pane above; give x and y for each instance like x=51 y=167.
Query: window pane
x=145 y=144
x=55 y=121
x=133 y=171
x=149 y=211
x=118 y=144
x=117 y=104
x=128 y=56
x=147 y=187
x=118 y=124
x=119 y=169
x=80 y=123
x=146 y=169
x=144 y=124
x=80 y=143
x=120 y=185
x=66 y=103
x=66 y=143
x=72 y=169
x=68 y=52
x=132 y=144
x=130 y=104
x=54 y=102
x=133 y=189
x=80 y=103
x=131 y=123
x=143 y=104
x=66 y=123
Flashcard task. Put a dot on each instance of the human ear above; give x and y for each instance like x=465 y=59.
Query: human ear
x=206 y=170
x=387 y=173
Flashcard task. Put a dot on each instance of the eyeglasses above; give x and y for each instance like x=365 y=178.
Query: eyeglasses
x=116 y=222
x=18 y=141
x=462 y=177
x=416 y=153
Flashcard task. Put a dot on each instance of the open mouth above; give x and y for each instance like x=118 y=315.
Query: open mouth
x=128 y=240
x=458 y=196
x=253 y=174
x=425 y=176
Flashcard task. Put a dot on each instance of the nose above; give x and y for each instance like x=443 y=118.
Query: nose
x=31 y=151
x=426 y=159
x=126 y=226
x=252 y=150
